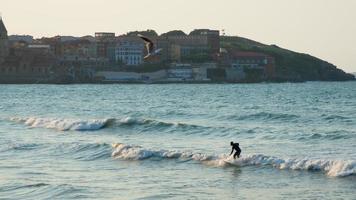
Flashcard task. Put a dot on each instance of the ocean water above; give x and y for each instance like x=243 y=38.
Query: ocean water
x=170 y=141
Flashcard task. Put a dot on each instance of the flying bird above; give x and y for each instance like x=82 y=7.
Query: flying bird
x=150 y=47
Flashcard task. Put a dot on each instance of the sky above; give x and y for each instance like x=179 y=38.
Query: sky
x=323 y=28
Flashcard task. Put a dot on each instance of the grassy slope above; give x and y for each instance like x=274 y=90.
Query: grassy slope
x=290 y=66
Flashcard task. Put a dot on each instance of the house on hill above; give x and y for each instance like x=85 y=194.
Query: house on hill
x=253 y=62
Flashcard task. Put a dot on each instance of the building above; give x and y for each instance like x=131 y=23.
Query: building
x=175 y=53
x=253 y=61
x=180 y=72
x=4 y=49
x=129 y=50
x=200 y=71
x=235 y=74
x=105 y=44
x=165 y=54
x=199 y=45
x=55 y=44
x=243 y=59
x=80 y=48
x=213 y=38
x=29 y=64
x=25 y=63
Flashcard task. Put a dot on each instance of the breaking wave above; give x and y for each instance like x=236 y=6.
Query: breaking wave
x=334 y=168
x=64 y=124
x=97 y=124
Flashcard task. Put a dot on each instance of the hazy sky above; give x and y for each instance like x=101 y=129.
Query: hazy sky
x=323 y=28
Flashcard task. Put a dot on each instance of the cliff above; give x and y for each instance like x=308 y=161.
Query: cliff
x=290 y=66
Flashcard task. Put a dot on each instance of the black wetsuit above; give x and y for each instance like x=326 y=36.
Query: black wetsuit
x=236 y=147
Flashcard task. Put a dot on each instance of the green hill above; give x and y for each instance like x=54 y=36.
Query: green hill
x=290 y=66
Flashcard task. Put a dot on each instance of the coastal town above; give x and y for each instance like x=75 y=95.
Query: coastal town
x=110 y=58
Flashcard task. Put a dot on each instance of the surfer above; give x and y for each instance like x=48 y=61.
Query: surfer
x=235 y=146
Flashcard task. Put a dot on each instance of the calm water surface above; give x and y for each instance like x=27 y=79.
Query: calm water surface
x=170 y=141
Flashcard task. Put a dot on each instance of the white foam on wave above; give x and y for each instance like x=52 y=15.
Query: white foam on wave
x=92 y=124
x=129 y=152
x=63 y=124
x=129 y=120
x=334 y=168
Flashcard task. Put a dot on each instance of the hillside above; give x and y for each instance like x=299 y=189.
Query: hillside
x=290 y=66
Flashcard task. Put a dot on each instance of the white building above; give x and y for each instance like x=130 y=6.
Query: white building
x=180 y=72
x=129 y=52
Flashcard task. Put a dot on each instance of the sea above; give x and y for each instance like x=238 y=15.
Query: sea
x=172 y=141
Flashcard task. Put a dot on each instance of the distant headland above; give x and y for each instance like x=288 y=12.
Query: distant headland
x=202 y=56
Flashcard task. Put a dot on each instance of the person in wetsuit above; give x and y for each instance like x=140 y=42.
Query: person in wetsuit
x=235 y=146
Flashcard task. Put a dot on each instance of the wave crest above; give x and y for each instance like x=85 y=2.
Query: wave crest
x=335 y=168
x=97 y=124
x=64 y=124
x=129 y=152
